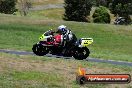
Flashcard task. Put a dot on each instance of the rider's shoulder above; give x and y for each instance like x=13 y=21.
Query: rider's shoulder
x=68 y=29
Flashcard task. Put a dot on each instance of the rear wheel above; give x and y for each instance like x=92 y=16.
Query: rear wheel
x=39 y=49
x=81 y=53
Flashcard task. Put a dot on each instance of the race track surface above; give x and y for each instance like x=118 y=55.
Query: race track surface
x=88 y=59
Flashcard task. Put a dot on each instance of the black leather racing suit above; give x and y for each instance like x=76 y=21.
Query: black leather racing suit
x=69 y=40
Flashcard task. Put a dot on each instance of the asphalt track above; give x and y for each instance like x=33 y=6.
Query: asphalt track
x=88 y=59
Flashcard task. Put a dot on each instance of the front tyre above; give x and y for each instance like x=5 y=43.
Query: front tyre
x=81 y=53
x=39 y=49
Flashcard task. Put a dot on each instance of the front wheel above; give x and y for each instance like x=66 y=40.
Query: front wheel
x=81 y=53
x=39 y=49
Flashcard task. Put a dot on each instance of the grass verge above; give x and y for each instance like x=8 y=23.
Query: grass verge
x=33 y=71
x=45 y=2
x=56 y=14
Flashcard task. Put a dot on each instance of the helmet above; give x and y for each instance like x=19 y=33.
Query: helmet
x=62 y=29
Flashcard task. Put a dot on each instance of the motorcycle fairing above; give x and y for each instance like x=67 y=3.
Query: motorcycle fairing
x=84 y=42
x=44 y=38
x=58 y=39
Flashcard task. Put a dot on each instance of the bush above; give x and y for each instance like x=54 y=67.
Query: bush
x=101 y=15
x=122 y=8
x=104 y=3
x=7 y=6
x=77 y=10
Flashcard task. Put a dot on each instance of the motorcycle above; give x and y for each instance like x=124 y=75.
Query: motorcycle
x=53 y=44
x=120 y=21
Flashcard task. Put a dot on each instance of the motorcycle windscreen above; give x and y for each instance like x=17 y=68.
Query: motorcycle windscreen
x=43 y=38
x=86 y=41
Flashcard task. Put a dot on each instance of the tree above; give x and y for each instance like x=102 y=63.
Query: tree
x=24 y=6
x=77 y=10
x=101 y=15
x=122 y=8
x=103 y=3
x=7 y=6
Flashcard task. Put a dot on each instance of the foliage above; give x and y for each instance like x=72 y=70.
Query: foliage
x=24 y=6
x=101 y=15
x=77 y=10
x=103 y=3
x=7 y=6
x=122 y=8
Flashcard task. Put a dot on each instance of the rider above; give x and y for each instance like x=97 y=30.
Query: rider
x=68 y=37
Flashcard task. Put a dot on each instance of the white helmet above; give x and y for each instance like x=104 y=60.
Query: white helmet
x=62 y=28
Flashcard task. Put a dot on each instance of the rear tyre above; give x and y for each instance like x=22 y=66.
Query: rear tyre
x=81 y=53
x=39 y=49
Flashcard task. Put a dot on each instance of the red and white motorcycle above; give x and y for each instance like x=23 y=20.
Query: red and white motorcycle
x=53 y=44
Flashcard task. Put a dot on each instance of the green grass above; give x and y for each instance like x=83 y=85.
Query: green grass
x=56 y=14
x=40 y=72
x=30 y=79
x=110 y=41
x=20 y=33
x=45 y=2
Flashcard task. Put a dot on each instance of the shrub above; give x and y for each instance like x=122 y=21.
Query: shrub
x=101 y=15
x=77 y=10
x=122 y=8
x=7 y=6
